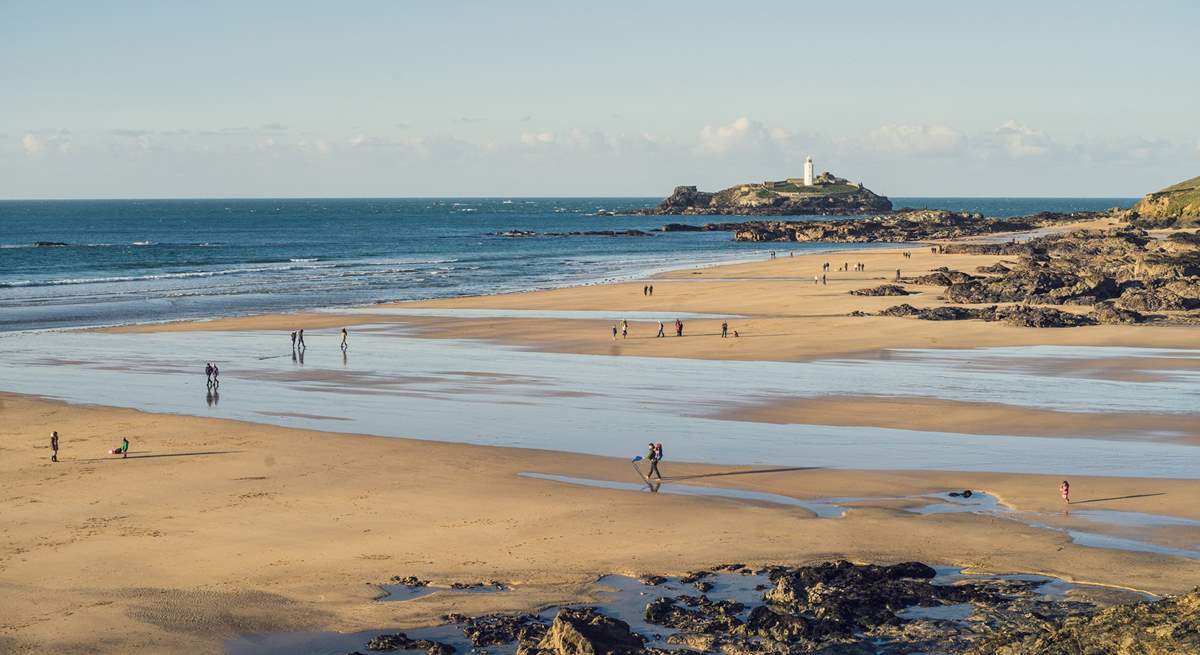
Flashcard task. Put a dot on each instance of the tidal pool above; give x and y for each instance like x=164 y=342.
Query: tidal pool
x=390 y=383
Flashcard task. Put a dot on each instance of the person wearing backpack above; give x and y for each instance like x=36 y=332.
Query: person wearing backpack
x=652 y=457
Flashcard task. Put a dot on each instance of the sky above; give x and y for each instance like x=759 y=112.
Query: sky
x=391 y=99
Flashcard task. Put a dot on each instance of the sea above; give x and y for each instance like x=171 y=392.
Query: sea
x=139 y=261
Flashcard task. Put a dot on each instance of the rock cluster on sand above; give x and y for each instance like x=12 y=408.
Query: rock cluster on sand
x=828 y=194
x=1124 y=275
x=881 y=290
x=849 y=609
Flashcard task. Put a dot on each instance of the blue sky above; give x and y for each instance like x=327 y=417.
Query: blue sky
x=174 y=99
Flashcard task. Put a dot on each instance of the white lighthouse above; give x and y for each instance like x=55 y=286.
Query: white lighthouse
x=808 y=171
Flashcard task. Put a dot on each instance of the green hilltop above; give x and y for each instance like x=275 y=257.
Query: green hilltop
x=1175 y=206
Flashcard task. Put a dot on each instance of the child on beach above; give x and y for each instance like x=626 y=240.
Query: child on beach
x=624 y=329
x=345 y=335
x=54 y=446
x=660 y=330
x=1065 y=490
x=614 y=333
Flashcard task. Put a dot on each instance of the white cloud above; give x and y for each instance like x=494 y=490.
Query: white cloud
x=1018 y=141
x=537 y=138
x=915 y=139
x=32 y=145
x=741 y=134
x=56 y=142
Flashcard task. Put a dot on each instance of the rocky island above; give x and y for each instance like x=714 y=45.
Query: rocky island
x=825 y=194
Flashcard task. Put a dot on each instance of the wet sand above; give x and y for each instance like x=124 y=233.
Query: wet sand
x=783 y=316
x=212 y=528
x=940 y=415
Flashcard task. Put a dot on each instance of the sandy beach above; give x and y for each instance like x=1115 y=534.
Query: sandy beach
x=214 y=528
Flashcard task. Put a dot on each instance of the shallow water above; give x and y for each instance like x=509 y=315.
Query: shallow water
x=821 y=508
x=979 y=503
x=392 y=384
x=552 y=314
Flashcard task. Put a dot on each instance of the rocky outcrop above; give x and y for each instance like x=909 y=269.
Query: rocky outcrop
x=526 y=234
x=1175 y=206
x=902 y=226
x=1167 y=627
x=828 y=195
x=837 y=608
x=1018 y=315
x=881 y=290
x=1123 y=274
x=584 y=631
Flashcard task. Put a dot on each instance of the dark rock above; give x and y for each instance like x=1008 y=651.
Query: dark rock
x=401 y=641
x=496 y=629
x=904 y=309
x=1107 y=313
x=652 y=580
x=702 y=586
x=1040 y=317
x=584 y=631
x=694 y=614
x=881 y=290
x=694 y=576
x=409 y=581
x=1152 y=300
x=994 y=268
x=1169 y=626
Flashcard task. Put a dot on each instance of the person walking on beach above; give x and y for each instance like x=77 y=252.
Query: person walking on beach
x=624 y=329
x=300 y=337
x=54 y=446
x=208 y=374
x=660 y=330
x=293 y=339
x=724 y=329
x=652 y=457
x=897 y=274
x=1065 y=490
x=216 y=379
x=345 y=335
x=124 y=447
x=652 y=289
x=614 y=333
x=646 y=290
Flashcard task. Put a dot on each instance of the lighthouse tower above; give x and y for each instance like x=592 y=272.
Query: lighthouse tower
x=808 y=172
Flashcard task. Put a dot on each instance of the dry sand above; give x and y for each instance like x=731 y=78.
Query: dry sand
x=212 y=528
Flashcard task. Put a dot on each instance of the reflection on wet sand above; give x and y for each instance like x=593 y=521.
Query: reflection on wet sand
x=493 y=395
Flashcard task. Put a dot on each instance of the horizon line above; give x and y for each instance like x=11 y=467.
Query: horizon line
x=504 y=197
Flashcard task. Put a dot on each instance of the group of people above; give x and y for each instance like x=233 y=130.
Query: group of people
x=212 y=376
x=648 y=290
x=298 y=340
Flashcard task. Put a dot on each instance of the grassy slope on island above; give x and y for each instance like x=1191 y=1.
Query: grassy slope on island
x=1175 y=206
